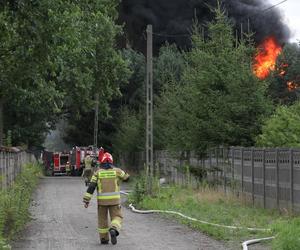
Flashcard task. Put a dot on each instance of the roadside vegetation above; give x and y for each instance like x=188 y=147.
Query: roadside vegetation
x=15 y=202
x=209 y=204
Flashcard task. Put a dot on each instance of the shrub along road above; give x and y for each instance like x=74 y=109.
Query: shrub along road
x=61 y=222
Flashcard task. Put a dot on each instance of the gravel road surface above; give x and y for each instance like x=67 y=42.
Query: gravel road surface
x=61 y=222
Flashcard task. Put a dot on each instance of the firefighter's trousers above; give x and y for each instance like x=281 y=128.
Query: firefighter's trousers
x=87 y=174
x=116 y=219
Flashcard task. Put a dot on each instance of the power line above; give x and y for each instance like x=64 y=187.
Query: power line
x=265 y=10
x=271 y=7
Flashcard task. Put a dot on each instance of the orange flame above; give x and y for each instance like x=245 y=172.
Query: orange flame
x=265 y=59
x=282 y=68
x=291 y=85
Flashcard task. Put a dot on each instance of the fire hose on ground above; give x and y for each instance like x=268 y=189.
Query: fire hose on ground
x=254 y=241
x=245 y=244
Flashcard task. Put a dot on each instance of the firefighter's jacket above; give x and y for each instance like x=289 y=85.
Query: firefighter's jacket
x=88 y=162
x=68 y=167
x=107 y=182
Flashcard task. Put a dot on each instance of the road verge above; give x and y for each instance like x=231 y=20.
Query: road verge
x=15 y=202
x=207 y=204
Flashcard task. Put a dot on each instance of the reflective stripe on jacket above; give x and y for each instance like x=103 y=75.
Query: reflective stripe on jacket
x=108 y=186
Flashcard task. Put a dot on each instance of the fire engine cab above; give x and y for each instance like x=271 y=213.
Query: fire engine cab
x=60 y=160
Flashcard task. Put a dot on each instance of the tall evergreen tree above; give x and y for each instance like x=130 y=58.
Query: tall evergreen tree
x=219 y=101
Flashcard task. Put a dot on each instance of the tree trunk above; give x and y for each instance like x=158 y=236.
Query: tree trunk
x=1 y=121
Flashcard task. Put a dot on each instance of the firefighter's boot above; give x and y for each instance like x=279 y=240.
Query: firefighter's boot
x=87 y=181
x=113 y=235
x=104 y=241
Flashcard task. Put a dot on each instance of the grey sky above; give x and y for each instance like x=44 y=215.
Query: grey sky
x=290 y=10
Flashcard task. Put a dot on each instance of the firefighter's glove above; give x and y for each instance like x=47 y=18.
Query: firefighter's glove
x=126 y=180
x=86 y=199
x=86 y=204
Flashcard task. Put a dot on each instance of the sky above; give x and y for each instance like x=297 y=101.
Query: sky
x=290 y=10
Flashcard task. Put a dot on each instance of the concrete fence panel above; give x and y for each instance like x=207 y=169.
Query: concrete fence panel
x=11 y=165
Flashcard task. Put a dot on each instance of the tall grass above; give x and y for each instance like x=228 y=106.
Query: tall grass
x=15 y=201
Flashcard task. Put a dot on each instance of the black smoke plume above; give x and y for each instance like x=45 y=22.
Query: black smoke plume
x=172 y=18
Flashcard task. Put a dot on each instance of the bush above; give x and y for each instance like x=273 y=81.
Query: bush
x=14 y=203
x=140 y=190
x=282 y=129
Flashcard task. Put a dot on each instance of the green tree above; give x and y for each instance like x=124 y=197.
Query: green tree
x=219 y=101
x=29 y=94
x=7 y=43
x=133 y=93
x=133 y=99
x=168 y=68
x=129 y=136
x=104 y=68
x=55 y=56
x=282 y=129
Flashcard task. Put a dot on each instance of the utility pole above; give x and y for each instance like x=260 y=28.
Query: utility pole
x=149 y=107
x=96 y=120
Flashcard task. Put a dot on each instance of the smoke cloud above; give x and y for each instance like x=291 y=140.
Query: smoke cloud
x=175 y=17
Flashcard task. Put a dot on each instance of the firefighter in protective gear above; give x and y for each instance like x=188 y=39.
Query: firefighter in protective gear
x=87 y=172
x=107 y=179
x=68 y=168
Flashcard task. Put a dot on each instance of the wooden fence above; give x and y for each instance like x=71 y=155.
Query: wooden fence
x=11 y=165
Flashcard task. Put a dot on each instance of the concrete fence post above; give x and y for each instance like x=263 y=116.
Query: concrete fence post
x=292 y=179
x=11 y=169
x=217 y=156
x=224 y=170
x=264 y=177
x=210 y=159
x=232 y=163
x=252 y=175
x=1 y=170
x=6 y=170
x=277 y=177
x=242 y=167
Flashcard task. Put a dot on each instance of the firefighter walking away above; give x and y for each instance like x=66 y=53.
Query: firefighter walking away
x=87 y=172
x=107 y=181
x=68 y=168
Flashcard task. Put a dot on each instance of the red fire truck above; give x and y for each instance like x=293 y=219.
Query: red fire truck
x=77 y=156
x=60 y=160
x=76 y=161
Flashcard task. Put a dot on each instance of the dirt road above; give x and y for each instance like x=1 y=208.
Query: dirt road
x=61 y=222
